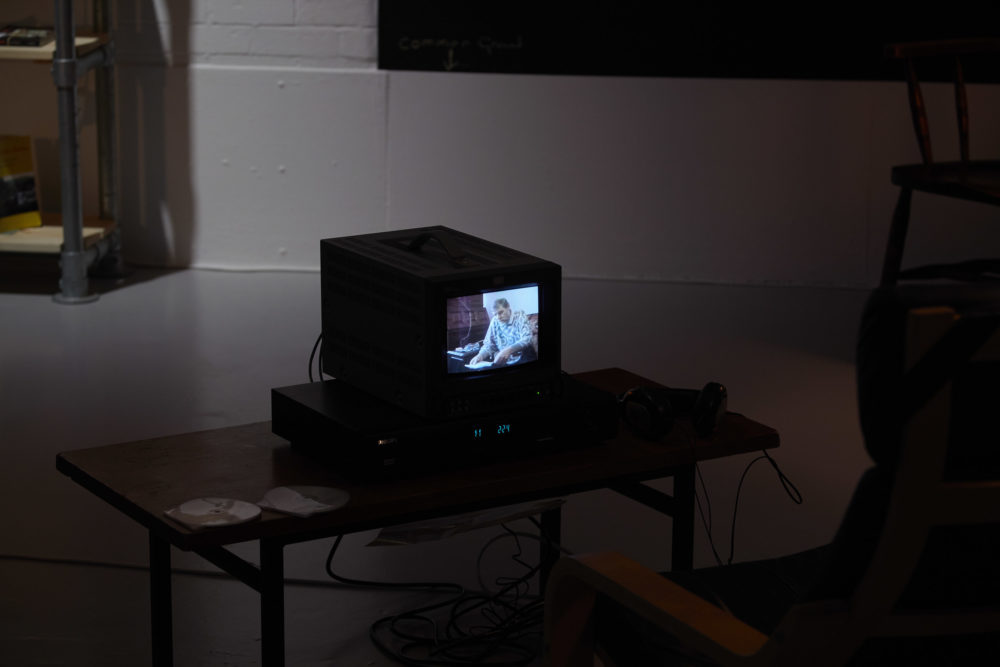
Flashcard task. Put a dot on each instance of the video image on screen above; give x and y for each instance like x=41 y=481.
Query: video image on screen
x=492 y=330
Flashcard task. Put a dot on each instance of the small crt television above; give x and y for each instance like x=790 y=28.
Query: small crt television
x=441 y=323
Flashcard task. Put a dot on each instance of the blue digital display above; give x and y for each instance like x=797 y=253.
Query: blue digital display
x=501 y=430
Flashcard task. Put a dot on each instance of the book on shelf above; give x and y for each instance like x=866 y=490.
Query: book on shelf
x=22 y=36
x=18 y=184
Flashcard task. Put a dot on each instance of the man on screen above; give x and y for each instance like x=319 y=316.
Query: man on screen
x=507 y=336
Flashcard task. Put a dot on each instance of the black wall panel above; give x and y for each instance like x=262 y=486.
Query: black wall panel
x=805 y=40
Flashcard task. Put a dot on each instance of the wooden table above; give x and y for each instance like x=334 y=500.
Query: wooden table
x=143 y=479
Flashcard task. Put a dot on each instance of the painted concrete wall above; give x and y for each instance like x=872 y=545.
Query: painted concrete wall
x=250 y=130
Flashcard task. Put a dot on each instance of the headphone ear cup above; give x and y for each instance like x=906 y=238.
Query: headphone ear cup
x=709 y=408
x=647 y=412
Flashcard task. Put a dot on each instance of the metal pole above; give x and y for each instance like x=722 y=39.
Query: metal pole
x=73 y=285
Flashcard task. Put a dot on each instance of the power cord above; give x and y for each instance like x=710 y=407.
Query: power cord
x=312 y=355
x=503 y=627
x=789 y=486
x=482 y=628
x=707 y=524
x=790 y=489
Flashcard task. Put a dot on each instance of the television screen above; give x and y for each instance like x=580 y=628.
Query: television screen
x=492 y=330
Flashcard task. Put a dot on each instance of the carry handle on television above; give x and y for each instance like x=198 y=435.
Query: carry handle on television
x=455 y=253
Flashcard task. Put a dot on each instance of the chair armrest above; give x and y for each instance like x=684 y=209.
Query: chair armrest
x=943 y=47
x=695 y=622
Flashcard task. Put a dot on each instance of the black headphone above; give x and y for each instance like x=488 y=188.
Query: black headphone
x=650 y=411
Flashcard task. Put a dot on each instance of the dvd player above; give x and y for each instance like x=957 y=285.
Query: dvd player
x=339 y=424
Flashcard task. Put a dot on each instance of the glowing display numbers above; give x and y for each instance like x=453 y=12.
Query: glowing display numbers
x=502 y=429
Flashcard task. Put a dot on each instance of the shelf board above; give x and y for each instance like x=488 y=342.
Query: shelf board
x=48 y=239
x=45 y=53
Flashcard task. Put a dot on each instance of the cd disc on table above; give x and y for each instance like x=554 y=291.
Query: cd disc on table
x=303 y=501
x=213 y=512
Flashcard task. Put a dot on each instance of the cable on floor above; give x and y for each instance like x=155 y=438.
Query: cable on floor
x=500 y=625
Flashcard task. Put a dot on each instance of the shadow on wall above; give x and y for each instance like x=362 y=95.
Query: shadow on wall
x=157 y=198
x=687 y=327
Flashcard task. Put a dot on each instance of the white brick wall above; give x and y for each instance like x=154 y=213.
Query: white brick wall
x=339 y=34
x=357 y=13
x=245 y=12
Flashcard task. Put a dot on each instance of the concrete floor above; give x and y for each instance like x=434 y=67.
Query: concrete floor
x=166 y=352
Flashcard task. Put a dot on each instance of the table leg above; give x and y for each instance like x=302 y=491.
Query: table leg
x=161 y=606
x=272 y=603
x=682 y=529
x=551 y=539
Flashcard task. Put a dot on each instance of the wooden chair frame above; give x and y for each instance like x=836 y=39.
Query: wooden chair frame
x=966 y=179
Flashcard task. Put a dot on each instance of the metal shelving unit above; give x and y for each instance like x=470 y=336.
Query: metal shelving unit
x=96 y=248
